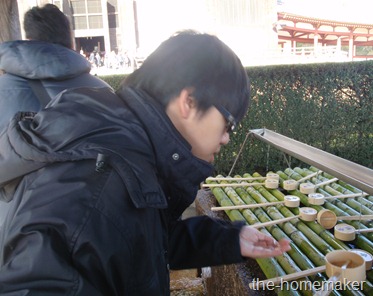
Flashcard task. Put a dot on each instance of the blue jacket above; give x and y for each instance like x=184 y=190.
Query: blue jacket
x=98 y=183
x=58 y=67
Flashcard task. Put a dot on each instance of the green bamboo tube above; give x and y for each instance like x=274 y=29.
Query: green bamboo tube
x=262 y=219
x=370 y=275
x=298 y=237
x=346 y=188
x=339 y=206
x=286 y=261
x=296 y=174
x=301 y=260
x=315 y=226
x=361 y=241
x=354 y=203
x=342 y=210
x=223 y=200
x=367 y=288
x=364 y=243
x=326 y=235
x=343 y=184
x=360 y=199
x=270 y=266
x=334 y=292
x=318 y=241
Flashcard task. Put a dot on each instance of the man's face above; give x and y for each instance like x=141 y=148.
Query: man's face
x=206 y=134
x=205 y=131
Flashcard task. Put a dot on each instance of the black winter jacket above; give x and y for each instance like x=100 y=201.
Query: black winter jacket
x=98 y=183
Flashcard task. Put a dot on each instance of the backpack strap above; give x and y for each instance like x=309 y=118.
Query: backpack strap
x=40 y=92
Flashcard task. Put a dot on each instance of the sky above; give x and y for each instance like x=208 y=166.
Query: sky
x=358 y=11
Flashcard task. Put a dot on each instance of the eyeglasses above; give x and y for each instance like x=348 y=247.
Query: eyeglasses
x=231 y=121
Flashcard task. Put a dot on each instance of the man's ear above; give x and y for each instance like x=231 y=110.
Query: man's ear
x=185 y=102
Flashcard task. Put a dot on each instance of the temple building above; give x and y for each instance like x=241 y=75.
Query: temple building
x=257 y=30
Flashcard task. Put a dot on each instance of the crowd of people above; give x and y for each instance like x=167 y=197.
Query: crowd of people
x=112 y=60
x=94 y=182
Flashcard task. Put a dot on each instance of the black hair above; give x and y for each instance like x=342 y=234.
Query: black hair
x=49 y=24
x=198 y=61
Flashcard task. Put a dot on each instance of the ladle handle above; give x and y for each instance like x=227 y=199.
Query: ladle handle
x=346 y=195
x=235 y=179
x=273 y=222
x=290 y=277
x=365 y=230
x=246 y=206
x=309 y=177
x=326 y=182
x=357 y=217
x=243 y=184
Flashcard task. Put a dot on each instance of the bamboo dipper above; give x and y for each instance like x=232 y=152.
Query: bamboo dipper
x=346 y=232
x=352 y=268
x=293 y=184
x=307 y=188
x=319 y=199
x=328 y=219
x=269 y=183
x=305 y=214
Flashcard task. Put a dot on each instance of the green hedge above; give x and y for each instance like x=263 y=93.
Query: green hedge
x=328 y=106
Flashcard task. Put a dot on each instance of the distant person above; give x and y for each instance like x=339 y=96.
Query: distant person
x=99 y=198
x=46 y=57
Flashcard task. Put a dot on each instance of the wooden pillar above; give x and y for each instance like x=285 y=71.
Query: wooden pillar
x=315 y=43
x=339 y=43
x=351 y=47
x=315 y=40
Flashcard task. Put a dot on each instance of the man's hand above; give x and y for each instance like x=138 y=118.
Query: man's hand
x=255 y=244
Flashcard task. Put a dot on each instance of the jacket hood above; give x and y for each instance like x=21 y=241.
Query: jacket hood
x=41 y=60
x=81 y=123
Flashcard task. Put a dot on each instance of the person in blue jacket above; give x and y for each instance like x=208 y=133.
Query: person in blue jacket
x=99 y=180
x=47 y=57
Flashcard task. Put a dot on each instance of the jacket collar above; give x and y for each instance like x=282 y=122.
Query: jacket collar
x=180 y=172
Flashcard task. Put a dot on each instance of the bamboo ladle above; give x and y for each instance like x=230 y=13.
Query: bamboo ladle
x=346 y=232
x=328 y=219
x=269 y=183
x=352 y=267
x=293 y=184
x=305 y=214
x=319 y=199
x=268 y=176
x=307 y=188
x=290 y=201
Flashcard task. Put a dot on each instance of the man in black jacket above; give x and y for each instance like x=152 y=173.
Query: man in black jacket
x=99 y=180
